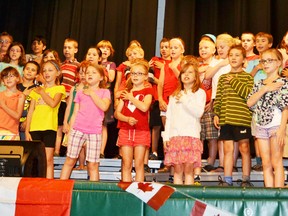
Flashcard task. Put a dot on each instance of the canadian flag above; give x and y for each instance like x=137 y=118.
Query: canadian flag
x=203 y=209
x=35 y=196
x=154 y=194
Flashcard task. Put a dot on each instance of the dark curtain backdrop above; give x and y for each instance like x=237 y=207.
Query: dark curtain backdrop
x=190 y=19
x=87 y=21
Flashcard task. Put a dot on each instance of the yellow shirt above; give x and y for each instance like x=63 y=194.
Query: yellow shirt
x=45 y=117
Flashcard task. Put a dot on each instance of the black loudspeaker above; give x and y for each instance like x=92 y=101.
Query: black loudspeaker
x=22 y=158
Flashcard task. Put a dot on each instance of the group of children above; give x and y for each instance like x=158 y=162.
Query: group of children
x=225 y=96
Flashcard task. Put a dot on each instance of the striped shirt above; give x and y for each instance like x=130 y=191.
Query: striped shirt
x=230 y=102
x=69 y=73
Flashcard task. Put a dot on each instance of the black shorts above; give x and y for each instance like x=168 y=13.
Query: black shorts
x=61 y=113
x=48 y=137
x=236 y=133
x=155 y=118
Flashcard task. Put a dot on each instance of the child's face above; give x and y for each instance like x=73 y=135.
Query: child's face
x=222 y=49
x=206 y=49
x=133 y=54
x=50 y=73
x=236 y=59
x=92 y=56
x=10 y=80
x=106 y=52
x=176 y=49
x=92 y=76
x=262 y=44
x=188 y=77
x=138 y=75
x=30 y=71
x=247 y=42
x=38 y=47
x=270 y=63
x=165 y=50
x=15 y=53
x=49 y=56
x=82 y=75
x=5 y=42
x=69 y=50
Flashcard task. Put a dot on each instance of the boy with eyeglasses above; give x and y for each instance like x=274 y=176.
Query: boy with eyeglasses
x=5 y=41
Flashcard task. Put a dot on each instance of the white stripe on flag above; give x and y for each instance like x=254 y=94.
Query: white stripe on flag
x=8 y=195
x=145 y=196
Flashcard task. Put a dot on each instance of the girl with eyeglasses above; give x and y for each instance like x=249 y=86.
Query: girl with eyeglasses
x=132 y=113
x=269 y=100
x=11 y=104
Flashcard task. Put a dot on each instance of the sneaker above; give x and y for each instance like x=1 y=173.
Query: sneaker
x=153 y=157
x=197 y=181
x=244 y=183
x=147 y=169
x=223 y=183
x=102 y=156
x=218 y=169
x=208 y=168
x=257 y=167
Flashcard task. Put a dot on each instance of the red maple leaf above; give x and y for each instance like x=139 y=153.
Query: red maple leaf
x=145 y=187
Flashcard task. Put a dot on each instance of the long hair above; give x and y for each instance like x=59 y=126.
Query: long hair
x=186 y=63
x=106 y=43
x=100 y=69
x=22 y=58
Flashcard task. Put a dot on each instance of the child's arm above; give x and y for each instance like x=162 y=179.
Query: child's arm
x=241 y=88
x=52 y=102
x=211 y=71
x=257 y=95
x=280 y=134
x=162 y=103
x=255 y=70
x=28 y=120
x=67 y=111
x=118 y=115
x=73 y=117
x=16 y=114
x=102 y=103
x=174 y=67
x=141 y=105
x=118 y=81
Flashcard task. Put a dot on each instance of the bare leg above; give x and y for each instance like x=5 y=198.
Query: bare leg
x=93 y=170
x=188 y=174
x=244 y=148
x=50 y=162
x=104 y=139
x=58 y=139
x=67 y=168
x=228 y=157
x=127 y=159
x=139 y=152
x=178 y=174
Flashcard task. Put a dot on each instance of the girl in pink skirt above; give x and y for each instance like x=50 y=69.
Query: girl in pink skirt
x=181 y=137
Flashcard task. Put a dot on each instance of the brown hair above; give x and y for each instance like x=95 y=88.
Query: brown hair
x=186 y=63
x=266 y=35
x=22 y=59
x=9 y=70
x=100 y=70
x=106 y=43
x=238 y=47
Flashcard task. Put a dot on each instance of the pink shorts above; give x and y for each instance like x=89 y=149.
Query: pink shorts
x=133 y=138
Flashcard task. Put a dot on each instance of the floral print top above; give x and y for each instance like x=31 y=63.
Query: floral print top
x=263 y=110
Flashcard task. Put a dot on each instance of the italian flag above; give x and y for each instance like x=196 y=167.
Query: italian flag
x=154 y=194
x=35 y=196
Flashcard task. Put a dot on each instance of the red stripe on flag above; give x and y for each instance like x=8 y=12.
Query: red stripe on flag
x=198 y=209
x=160 y=197
x=40 y=196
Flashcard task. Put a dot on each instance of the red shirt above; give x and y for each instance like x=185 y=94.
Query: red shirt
x=170 y=82
x=130 y=110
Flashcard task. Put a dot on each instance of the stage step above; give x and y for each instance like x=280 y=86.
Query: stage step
x=110 y=171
